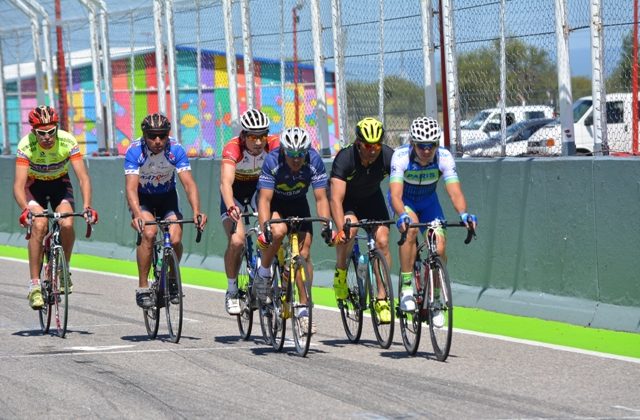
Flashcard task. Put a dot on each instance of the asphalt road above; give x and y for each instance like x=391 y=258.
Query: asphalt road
x=108 y=368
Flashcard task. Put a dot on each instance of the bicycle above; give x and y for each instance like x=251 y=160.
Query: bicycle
x=55 y=273
x=288 y=296
x=432 y=292
x=248 y=268
x=362 y=269
x=164 y=276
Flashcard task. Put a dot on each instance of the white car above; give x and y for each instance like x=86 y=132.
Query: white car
x=516 y=140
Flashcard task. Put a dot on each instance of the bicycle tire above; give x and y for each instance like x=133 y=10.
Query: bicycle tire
x=383 y=331
x=152 y=315
x=44 y=314
x=440 y=335
x=60 y=301
x=352 y=307
x=301 y=334
x=173 y=296
x=278 y=311
x=411 y=321
x=245 y=317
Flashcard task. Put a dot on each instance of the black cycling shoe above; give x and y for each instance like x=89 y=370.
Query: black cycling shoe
x=143 y=298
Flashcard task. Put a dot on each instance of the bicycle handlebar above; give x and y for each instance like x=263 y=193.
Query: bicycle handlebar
x=246 y=214
x=165 y=222
x=365 y=224
x=471 y=232
x=289 y=221
x=56 y=216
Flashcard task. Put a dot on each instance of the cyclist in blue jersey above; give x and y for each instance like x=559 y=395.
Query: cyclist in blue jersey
x=150 y=167
x=415 y=171
x=284 y=181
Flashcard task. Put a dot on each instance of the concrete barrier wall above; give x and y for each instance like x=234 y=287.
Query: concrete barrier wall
x=558 y=238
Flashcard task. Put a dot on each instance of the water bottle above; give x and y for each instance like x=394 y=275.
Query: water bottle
x=363 y=267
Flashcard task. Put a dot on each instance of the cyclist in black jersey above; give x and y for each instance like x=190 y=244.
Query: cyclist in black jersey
x=356 y=175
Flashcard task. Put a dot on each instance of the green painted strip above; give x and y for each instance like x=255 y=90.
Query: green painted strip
x=551 y=332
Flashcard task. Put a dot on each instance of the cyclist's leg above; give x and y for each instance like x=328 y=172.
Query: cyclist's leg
x=343 y=251
x=37 y=202
x=375 y=208
x=407 y=259
x=62 y=202
x=145 y=249
x=235 y=245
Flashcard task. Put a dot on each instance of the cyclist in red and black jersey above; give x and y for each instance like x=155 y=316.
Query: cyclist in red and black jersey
x=242 y=160
x=356 y=174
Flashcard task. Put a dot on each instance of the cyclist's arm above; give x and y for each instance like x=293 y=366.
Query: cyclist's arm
x=264 y=206
x=457 y=196
x=19 y=183
x=191 y=189
x=227 y=176
x=338 y=190
x=131 y=186
x=83 y=179
x=322 y=202
x=395 y=188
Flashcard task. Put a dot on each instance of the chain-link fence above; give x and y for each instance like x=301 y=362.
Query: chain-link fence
x=506 y=56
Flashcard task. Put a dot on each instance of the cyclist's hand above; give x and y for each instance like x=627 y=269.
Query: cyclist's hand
x=403 y=221
x=90 y=215
x=262 y=242
x=24 y=217
x=137 y=223
x=234 y=213
x=469 y=218
x=202 y=218
x=339 y=238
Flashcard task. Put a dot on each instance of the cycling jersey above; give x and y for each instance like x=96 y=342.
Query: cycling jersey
x=419 y=182
x=247 y=166
x=47 y=164
x=362 y=182
x=157 y=172
x=287 y=185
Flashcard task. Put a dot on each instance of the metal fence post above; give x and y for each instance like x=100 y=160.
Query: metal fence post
x=6 y=149
x=503 y=82
x=597 y=81
x=157 y=26
x=452 y=76
x=381 y=64
x=338 y=52
x=318 y=71
x=245 y=16
x=231 y=63
x=565 y=99
x=171 y=63
x=428 y=48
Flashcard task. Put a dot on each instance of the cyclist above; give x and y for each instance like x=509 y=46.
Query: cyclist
x=150 y=167
x=284 y=181
x=415 y=171
x=356 y=175
x=42 y=179
x=242 y=160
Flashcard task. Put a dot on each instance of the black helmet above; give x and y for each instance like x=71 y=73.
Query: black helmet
x=155 y=122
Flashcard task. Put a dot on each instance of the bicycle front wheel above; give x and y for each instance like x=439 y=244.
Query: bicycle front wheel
x=59 y=282
x=440 y=309
x=245 y=317
x=277 y=311
x=172 y=294
x=152 y=315
x=380 y=278
x=44 y=314
x=352 y=307
x=301 y=313
x=411 y=321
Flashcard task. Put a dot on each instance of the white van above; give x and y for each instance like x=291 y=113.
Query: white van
x=486 y=123
x=548 y=140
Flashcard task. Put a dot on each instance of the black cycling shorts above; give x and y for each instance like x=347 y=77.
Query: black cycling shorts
x=50 y=192
x=298 y=208
x=370 y=208
x=161 y=205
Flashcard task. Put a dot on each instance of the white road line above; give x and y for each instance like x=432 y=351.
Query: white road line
x=620 y=407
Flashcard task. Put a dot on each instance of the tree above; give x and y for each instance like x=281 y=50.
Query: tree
x=620 y=78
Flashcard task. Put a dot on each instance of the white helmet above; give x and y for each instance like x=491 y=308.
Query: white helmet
x=425 y=130
x=295 y=138
x=254 y=121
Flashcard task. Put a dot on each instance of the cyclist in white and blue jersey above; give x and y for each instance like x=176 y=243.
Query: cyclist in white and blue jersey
x=415 y=171
x=150 y=168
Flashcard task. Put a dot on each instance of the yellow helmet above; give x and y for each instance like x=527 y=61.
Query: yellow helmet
x=369 y=130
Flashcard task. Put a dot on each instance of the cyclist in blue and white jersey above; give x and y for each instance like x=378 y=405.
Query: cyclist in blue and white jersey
x=415 y=171
x=150 y=168
x=286 y=176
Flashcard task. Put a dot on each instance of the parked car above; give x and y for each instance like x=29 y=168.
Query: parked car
x=548 y=140
x=486 y=123
x=516 y=140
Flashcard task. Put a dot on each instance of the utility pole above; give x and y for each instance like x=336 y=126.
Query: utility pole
x=62 y=72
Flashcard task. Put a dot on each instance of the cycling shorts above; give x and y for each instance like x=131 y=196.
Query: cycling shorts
x=161 y=205
x=50 y=192
x=252 y=201
x=289 y=208
x=370 y=208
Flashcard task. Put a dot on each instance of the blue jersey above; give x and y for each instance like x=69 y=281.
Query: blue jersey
x=157 y=172
x=287 y=185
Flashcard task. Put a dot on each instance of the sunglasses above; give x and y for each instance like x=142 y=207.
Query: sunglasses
x=152 y=136
x=49 y=132
x=425 y=146
x=295 y=154
x=371 y=146
x=255 y=137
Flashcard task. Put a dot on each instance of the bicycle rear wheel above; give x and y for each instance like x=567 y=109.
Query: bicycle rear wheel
x=60 y=301
x=245 y=317
x=411 y=321
x=352 y=307
x=302 y=328
x=380 y=271
x=278 y=311
x=440 y=307
x=44 y=314
x=172 y=294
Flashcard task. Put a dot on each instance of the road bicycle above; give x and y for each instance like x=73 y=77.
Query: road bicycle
x=165 y=282
x=248 y=269
x=367 y=273
x=291 y=299
x=432 y=293
x=54 y=273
